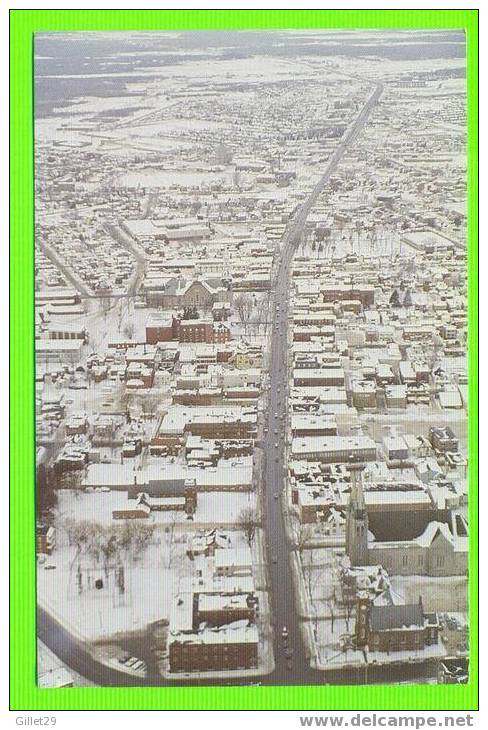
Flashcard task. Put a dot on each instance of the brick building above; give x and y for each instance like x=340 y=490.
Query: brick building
x=393 y=628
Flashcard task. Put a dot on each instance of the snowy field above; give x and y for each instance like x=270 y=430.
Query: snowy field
x=97 y=614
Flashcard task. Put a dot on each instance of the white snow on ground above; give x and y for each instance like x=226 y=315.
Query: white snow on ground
x=150 y=584
x=213 y=508
x=438 y=594
x=168 y=178
x=97 y=614
x=332 y=654
x=408 y=655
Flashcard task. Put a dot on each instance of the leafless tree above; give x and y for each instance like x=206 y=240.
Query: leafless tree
x=129 y=330
x=142 y=535
x=170 y=539
x=247 y=521
x=244 y=306
x=304 y=536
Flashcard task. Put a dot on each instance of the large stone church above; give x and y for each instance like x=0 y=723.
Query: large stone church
x=441 y=550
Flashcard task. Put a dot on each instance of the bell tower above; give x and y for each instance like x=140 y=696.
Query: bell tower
x=362 y=619
x=357 y=519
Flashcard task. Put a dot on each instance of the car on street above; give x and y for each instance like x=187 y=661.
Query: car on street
x=284 y=633
x=276 y=445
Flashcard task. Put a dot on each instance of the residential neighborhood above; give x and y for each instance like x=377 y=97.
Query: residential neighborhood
x=251 y=373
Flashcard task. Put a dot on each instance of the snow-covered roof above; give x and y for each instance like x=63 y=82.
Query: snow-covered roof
x=238 y=556
x=387 y=618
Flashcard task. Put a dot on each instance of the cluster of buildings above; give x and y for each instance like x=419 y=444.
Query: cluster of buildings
x=159 y=235
x=213 y=620
x=377 y=424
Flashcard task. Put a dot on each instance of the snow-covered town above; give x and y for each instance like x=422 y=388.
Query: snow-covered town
x=251 y=358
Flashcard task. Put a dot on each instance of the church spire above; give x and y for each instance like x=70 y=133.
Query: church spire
x=357 y=519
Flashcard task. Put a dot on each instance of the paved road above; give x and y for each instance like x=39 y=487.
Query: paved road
x=119 y=235
x=66 y=270
x=296 y=671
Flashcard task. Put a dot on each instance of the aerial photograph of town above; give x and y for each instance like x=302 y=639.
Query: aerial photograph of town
x=251 y=358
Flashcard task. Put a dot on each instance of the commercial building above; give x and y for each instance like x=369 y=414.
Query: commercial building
x=334 y=449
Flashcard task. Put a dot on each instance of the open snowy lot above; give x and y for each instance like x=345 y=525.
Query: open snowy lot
x=94 y=613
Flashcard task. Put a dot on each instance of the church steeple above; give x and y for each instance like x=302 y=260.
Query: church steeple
x=357 y=519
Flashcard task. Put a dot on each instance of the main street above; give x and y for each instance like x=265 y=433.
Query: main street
x=292 y=665
x=291 y=660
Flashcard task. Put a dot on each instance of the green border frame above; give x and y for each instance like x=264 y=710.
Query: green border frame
x=25 y=695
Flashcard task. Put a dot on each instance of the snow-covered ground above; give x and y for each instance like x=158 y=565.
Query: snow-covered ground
x=96 y=614
x=213 y=508
x=438 y=594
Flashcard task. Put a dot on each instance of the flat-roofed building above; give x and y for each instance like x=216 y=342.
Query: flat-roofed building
x=233 y=561
x=229 y=647
x=334 y=449
x=443 y=439
x=309 y=377
x=313 y=425
x=63 y=351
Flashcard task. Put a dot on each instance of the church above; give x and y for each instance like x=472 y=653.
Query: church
x=441 y=550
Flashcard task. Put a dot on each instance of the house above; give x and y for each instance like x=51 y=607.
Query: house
x=318 y=377
x=207 y=543
x=311 y=425
x=140 y=511
x=221 y=311
x=169 y=502
x=443 y=439
x=365 y=580
x=58 y=351
x=159 y=328
x=217 y=422
x=395 y=451
x=363 y=393
x=195 y=646
x=215 y=609
x=200 y=330
x=334 y=449
x=395 y=628
x=233 y=561
x=76 y=425
x=45 y=539
x=167 y=493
